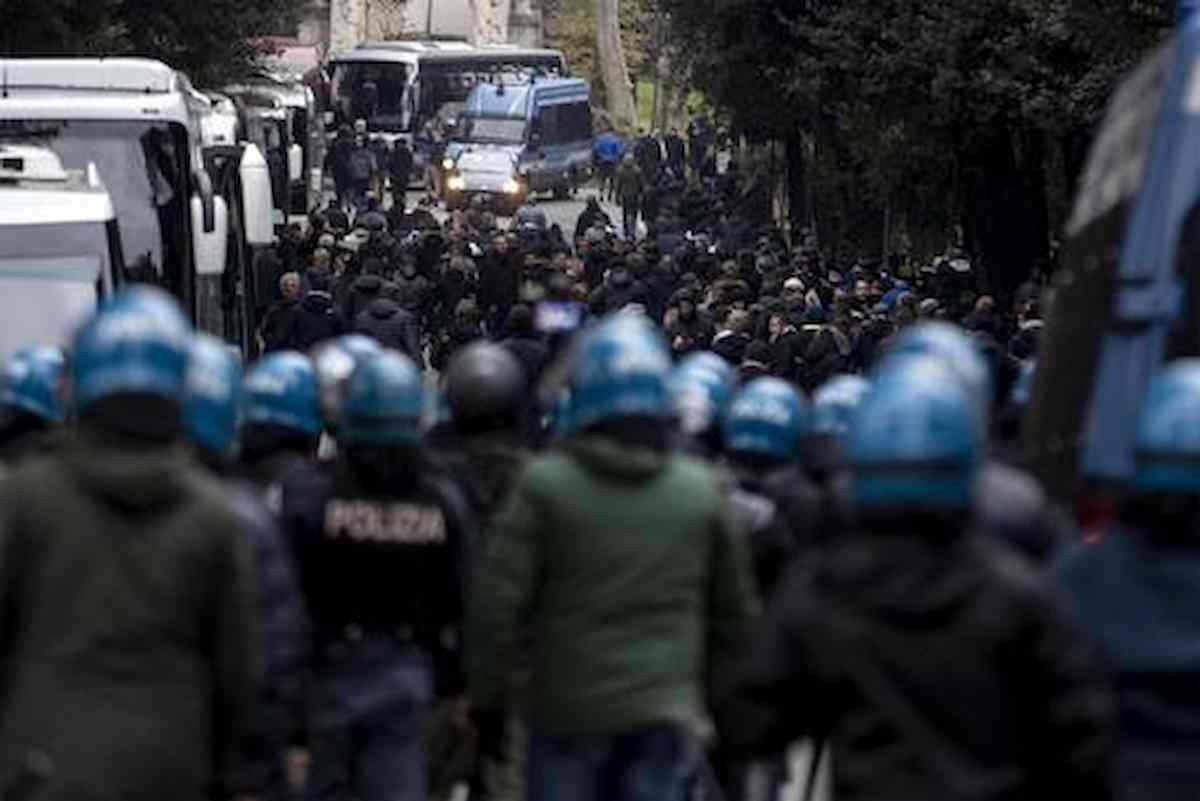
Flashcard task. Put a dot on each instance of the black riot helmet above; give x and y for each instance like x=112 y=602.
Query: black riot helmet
x=487 y=389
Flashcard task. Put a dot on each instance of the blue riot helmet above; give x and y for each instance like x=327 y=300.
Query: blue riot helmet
x=32 y=383
x=282 y=391
x=956 y=350
x=834 y=405
x=214 y=386
x=383 y=404
x=1167 y=438
x=1022 y=389
x=335 y=361
x=707 y=360
x=767 y=420
x=136 y=344
x=620 y=370
x=699 y=395
x=915 y=441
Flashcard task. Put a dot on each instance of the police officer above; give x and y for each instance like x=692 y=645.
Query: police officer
x=1010 y=503
x=780 y=508
x=620 y=555
x=701 y=385
x=335 y=361
x=210 y=412
x=32 y=408
x=1136 y=591
x=937 y=662
x=129 y=618
x=379 y=538
x=487 y=397
x=281 y=419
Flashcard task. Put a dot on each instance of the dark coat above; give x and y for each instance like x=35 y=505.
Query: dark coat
x=391 y=326
x=316 y=321
x=936 y=667
x=531 y=352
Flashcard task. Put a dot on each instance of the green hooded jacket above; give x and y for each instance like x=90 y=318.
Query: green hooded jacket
x=128 y=625
x=623 y=564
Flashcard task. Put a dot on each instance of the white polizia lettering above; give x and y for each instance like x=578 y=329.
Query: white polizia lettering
x=390 y=523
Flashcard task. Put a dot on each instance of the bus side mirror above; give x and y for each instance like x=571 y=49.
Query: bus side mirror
x=295 y=164
x=209 y=241
x=257 y=205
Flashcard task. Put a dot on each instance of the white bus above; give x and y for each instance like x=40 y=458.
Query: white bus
x=415 y=90
x=139 y=123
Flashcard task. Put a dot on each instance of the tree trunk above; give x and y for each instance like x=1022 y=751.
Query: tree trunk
x=797 y=183
x=613 y=72
x=489 y=21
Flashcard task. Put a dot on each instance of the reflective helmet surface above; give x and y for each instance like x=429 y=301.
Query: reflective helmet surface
x=699 y=394
x=620 y=369
x=767 y=418
x=213 y=394
x=953 y=347
x=335 y=361
x=915 y=440
x=282 y=390
x=384 y=400
x=1022 y=389
x=1167 y=438
x=33 y=382
x=136 y=342
x=835 y=403
x=485 y=382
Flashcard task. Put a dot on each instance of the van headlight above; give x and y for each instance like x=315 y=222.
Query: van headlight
x=512 y=187
x=456 y=183
x=447 y=164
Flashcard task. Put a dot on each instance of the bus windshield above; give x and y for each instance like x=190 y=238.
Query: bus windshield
x=492 y=130
x=144 y=166
x=377 y=92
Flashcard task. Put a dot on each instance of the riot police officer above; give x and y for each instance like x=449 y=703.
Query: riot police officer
x=1135 y=593
x=281 y=419
x=130 y=623
x=210 y=412
x=701 y=386
x=936 y=661
x=488 y=402
x=380 y=538
x=32 y=407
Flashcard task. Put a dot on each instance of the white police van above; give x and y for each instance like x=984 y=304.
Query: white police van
x=60 y=247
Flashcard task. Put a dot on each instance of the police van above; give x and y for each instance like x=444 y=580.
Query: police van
x=516 y=138
x=60 y=247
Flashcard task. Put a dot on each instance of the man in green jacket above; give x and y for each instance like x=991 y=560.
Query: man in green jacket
x=619 y=557
x=128 y=626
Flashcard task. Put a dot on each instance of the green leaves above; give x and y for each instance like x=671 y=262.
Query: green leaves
x=208 y=39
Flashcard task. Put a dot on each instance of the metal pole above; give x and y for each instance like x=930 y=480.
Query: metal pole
x=429 y=19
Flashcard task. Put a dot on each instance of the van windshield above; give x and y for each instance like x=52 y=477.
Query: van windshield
x=492 y=130
x=43 y=299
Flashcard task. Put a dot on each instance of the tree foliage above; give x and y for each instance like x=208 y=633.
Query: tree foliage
x=210 y=40
x=955 y=116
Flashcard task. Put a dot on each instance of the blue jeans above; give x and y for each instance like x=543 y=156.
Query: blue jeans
x=369 y=707
x=652 y=763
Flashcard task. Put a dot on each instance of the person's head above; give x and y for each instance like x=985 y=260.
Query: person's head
x=834 y=405
x=317 y=279
x=322 y=259
x=958 y=352
x=211 y=399
x=618 y=381
x=766 y=422
x=129 y=366
x=335 y=360
x=381 y=422
x=915 y=448
x=1164 y=493
x=701 y=386
x=281 y=408
x=33 y=390
x=487 y=389
x=289 y=286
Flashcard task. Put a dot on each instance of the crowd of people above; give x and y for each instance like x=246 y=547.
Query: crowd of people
x=679 y=499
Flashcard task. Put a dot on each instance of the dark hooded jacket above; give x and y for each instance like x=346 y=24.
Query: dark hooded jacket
x=130 y=642
x=937 y=667
x=391 y=326
x=316 y=321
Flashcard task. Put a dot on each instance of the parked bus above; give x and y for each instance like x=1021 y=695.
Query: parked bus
x=139 y=123
x=415 y=90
